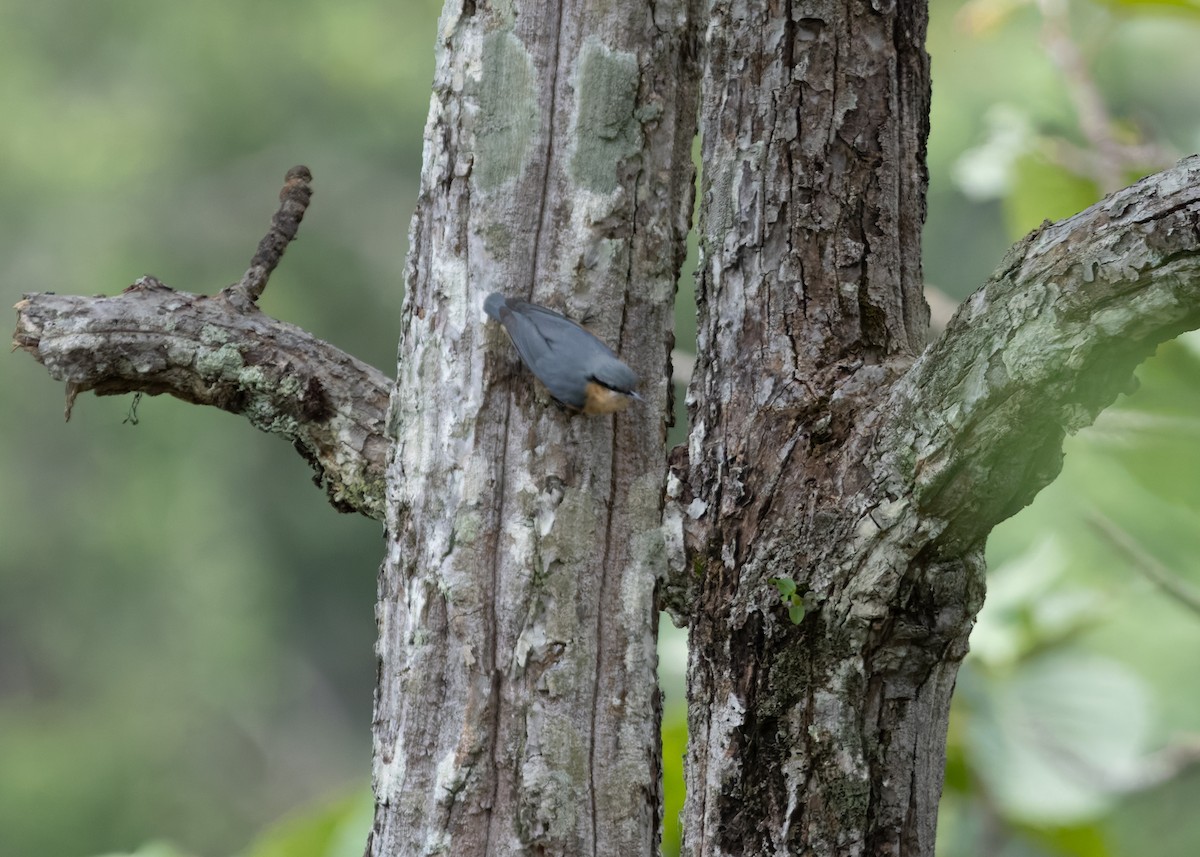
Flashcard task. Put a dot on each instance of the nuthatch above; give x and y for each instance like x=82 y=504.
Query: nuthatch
x=578 y=369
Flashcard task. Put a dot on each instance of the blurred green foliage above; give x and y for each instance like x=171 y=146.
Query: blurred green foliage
x=1074 y=726
x=335 y=829
x=186 y=628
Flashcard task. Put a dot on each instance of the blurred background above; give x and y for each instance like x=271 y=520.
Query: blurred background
x=186 y=627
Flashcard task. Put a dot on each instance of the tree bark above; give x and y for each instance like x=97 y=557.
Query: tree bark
x=517 y=709
x=824 y=737
x=820 y=453
x=214 y=350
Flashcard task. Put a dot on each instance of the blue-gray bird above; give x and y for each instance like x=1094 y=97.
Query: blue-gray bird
x=578 y=369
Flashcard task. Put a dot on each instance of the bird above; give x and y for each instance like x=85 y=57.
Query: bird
x=580 y=371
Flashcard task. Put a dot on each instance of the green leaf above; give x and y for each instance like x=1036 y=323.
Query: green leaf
x=1059 y=738
x=796 y=612
x=152 y=849
x=1150 y=7
x=785 y=585
x=336 y=829
x=1084 y=840
x=674 y=749
x=1042 y=190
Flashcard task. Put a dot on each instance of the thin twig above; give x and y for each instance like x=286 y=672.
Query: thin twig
x=1094 y=118
x=293 y=201
x=1111 y=159
x=1144 y=562
x=1173 y=761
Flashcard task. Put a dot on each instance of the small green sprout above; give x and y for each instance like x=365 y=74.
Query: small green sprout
x=795 y=603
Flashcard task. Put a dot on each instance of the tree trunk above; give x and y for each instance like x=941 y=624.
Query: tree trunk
x=821 y=457
x=827 y=467
x=517 y=710
x=826 y=737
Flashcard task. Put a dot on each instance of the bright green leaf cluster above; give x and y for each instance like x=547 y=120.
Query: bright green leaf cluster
x=791 y=599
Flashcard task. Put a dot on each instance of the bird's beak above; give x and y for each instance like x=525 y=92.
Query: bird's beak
x=631 y=394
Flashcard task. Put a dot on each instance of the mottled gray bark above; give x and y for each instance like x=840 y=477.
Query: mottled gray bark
x=820 y=452
x=822 y=738
x=1042 y=347
x=221 y=350
x=848 y=709
x=208 y=350
x=517 y=709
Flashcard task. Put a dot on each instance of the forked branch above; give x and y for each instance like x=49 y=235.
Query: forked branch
x=223 y=351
